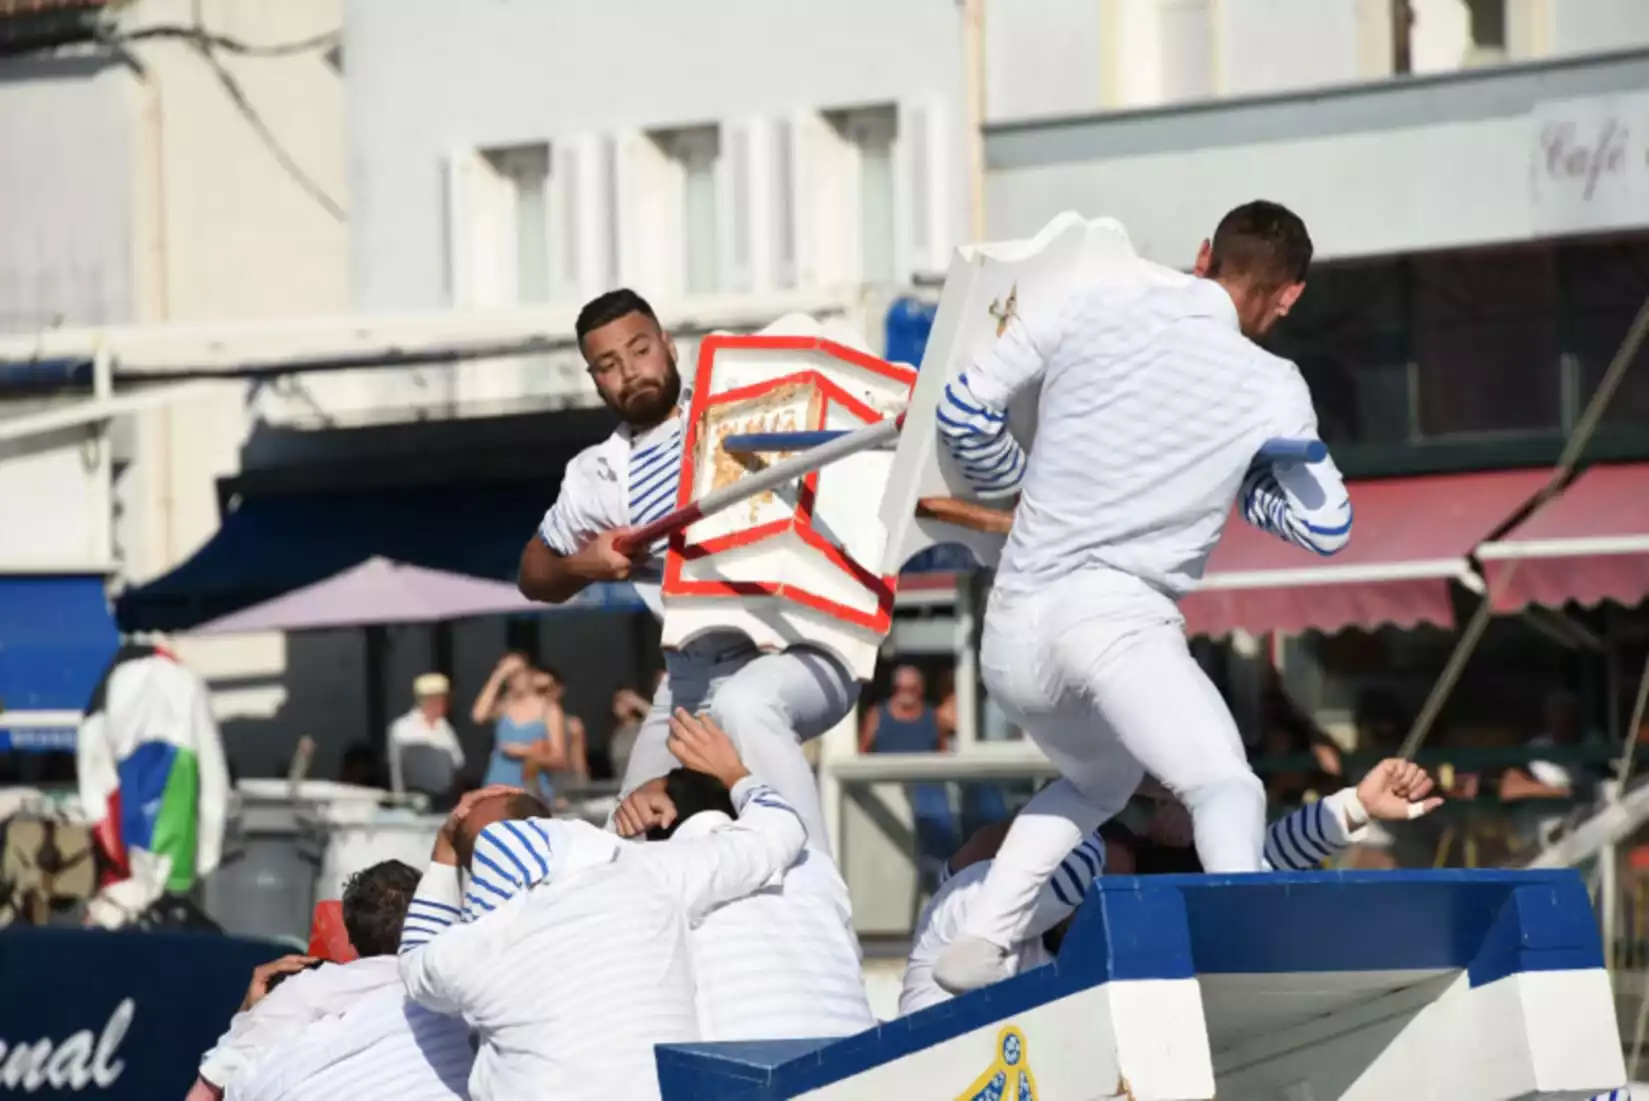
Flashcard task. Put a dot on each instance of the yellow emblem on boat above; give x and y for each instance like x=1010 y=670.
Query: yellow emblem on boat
x=1009 y=1078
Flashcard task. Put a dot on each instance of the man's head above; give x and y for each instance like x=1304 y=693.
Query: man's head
x=631 y=358
x=375 y=904
x=909 y=685
x=511 y=807
x=692 y=792
x=432 y=691
x=1260 y=253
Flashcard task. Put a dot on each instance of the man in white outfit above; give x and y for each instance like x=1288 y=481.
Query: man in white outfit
x=768 y=703
x=1394 y=790
x=782 y=963
x=1154 y=404
x=341 y=1030
x=568 y=953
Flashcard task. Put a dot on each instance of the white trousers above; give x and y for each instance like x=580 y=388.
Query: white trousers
x=768 y=703
x=1096 y=671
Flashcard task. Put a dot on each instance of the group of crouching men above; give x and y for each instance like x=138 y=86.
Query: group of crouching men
x=539 y=957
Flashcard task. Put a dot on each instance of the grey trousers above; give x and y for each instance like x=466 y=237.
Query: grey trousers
x=768 y=703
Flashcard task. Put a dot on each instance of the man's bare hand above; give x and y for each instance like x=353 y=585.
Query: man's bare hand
x=645 y=807
x=699 y=744
x=259 y=987
x=1396 y=790
x=600 y=560
x=446 y=851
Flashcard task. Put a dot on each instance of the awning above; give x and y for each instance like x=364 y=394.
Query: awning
x=56 y=639
x=1585 y=546
x=270 y=545
x=1410 y=539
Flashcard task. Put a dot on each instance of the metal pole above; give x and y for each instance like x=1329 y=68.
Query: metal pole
x=966 y=677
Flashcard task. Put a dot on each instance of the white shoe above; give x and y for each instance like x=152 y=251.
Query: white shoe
x=970 y=963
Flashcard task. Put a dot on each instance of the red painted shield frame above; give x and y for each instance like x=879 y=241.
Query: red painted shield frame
x=800 y=521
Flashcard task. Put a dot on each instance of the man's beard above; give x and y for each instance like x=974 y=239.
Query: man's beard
x=645 y=407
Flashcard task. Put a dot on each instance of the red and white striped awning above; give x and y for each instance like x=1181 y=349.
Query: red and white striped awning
x=1411 y=539
x=1587 y=545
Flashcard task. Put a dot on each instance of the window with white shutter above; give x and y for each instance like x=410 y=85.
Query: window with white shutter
x=784 y=203
x=929 y=190
x=517 y=224
x=869 y=136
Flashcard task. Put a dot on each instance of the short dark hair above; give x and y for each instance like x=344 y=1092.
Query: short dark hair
x=516 y=807
x=604 y=309
x=375 y=904
x=692 y=792
x=1263 y=241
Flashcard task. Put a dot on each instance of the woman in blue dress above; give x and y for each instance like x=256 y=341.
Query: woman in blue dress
x=529 y=738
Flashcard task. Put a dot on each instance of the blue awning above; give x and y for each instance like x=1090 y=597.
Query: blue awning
x=270 y=545
x=56 y=638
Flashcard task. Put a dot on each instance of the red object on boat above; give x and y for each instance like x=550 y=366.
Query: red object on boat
x=328 y=940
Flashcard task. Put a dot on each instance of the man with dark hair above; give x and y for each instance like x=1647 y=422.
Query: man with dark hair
x=1260 y=253
x=1154 y=405
x=687 y=792
x=768 y=703
x=311 y=1030
x=375 y=904
x=781 y=963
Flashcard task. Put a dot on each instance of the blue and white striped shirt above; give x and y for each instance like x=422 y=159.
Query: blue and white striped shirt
x=1151 y=410
x=624 y=481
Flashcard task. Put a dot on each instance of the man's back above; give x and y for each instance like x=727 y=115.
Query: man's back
x=783 y=963
x=382 y=1046
x=595 y=974
x=1152 y=407
x=938 y=926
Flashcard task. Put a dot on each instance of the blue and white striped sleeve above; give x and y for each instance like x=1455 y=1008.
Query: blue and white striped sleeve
x=1302 y=503
x=1301 y=841
x=437 y=904
x=1069 y=885
x=434 y=961
x=973 y=411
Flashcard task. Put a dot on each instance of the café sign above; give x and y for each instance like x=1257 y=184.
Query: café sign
x=1589 y=164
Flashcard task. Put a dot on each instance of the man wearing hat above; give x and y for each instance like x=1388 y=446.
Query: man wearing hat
x=424 y=754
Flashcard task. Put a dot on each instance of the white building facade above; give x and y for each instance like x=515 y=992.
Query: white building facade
x=522 y=153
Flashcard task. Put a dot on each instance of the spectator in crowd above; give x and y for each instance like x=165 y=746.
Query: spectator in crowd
x=359 y=766
x=310 y=1030
x=906 y=723
x=529 y=727
x=1286 y=731
x=424 y=754
x=575 y=773
x=629 y=712
x=1537 y=825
